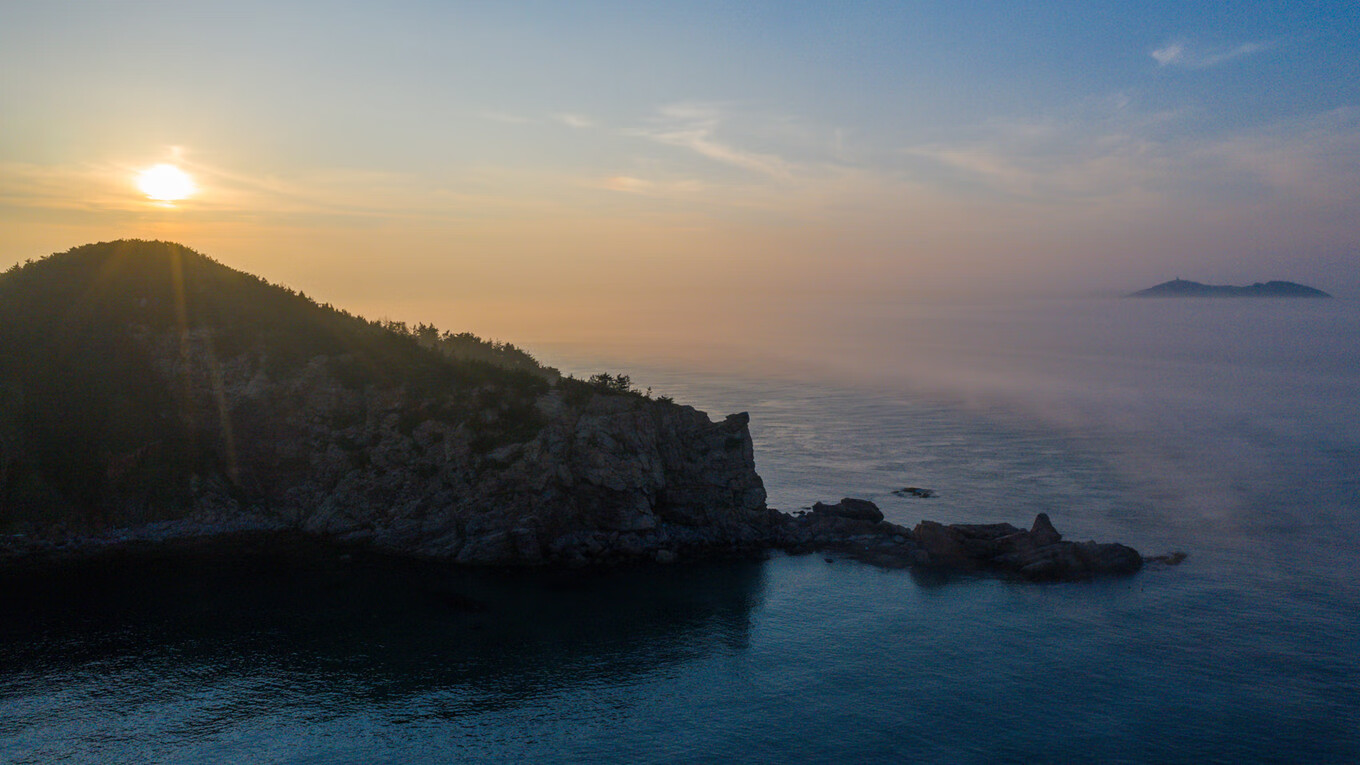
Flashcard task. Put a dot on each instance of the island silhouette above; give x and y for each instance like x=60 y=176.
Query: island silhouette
x=1186 y=288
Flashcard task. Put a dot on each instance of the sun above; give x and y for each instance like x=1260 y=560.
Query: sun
x=165 y=183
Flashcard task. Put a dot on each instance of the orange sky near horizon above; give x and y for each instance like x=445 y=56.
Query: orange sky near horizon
x=687 y=173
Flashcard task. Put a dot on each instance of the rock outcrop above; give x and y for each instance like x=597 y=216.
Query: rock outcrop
x=915 y=492
x=607 y=476
x=1039 y=554
x=850 y=508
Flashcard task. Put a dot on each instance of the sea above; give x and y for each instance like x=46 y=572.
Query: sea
x=1225 y=429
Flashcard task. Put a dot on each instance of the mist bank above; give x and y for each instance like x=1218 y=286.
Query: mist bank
x=1222 y=416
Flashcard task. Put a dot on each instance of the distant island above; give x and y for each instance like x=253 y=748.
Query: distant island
x=1186 y=288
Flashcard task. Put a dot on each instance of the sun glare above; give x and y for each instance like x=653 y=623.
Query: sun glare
x=165 y=183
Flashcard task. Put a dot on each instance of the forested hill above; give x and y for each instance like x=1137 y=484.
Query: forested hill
x=105 y=289
x=129 y=368
x=146 y=390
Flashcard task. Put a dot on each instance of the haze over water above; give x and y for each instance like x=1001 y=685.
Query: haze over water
x=1224 y=429
x=877 y=227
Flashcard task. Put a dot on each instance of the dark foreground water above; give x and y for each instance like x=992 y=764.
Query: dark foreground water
x=1226 y=431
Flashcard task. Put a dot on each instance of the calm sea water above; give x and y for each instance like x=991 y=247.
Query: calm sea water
x=1227 y=429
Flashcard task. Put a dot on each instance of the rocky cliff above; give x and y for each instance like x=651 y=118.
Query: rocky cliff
x=593 y=475
x=141 y=389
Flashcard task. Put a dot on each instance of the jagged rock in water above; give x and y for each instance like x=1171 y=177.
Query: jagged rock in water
x=1175 y=558
x=854 y=509
x=1042 y=532
x=1037 y=554
x=915 y=492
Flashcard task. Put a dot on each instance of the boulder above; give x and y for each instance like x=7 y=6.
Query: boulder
x=852 y=509
x=1043 y=532
x=914 y=491
x=1039 y=554
x=941 y=545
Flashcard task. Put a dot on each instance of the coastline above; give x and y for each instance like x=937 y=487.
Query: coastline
x=851 y=529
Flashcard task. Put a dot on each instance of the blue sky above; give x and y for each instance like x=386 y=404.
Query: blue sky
x=1082 y=147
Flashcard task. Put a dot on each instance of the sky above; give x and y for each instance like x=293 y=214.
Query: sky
x=535 y=170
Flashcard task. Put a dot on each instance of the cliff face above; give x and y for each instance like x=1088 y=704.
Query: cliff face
x=604 y=475
x=202 y=416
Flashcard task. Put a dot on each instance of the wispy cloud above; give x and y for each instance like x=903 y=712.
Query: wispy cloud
x=644 y=187
x=694 y=126
x=574 y=120
x=505 y=117
x=1313 y=159
x=82 y=187
x=1102 y=156
x=1182 y=53
x=343 y=198
x=1098 y=150
x=629 y=184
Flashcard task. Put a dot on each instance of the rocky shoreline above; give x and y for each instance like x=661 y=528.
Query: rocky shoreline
x=850 y=529
x=856 y=529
